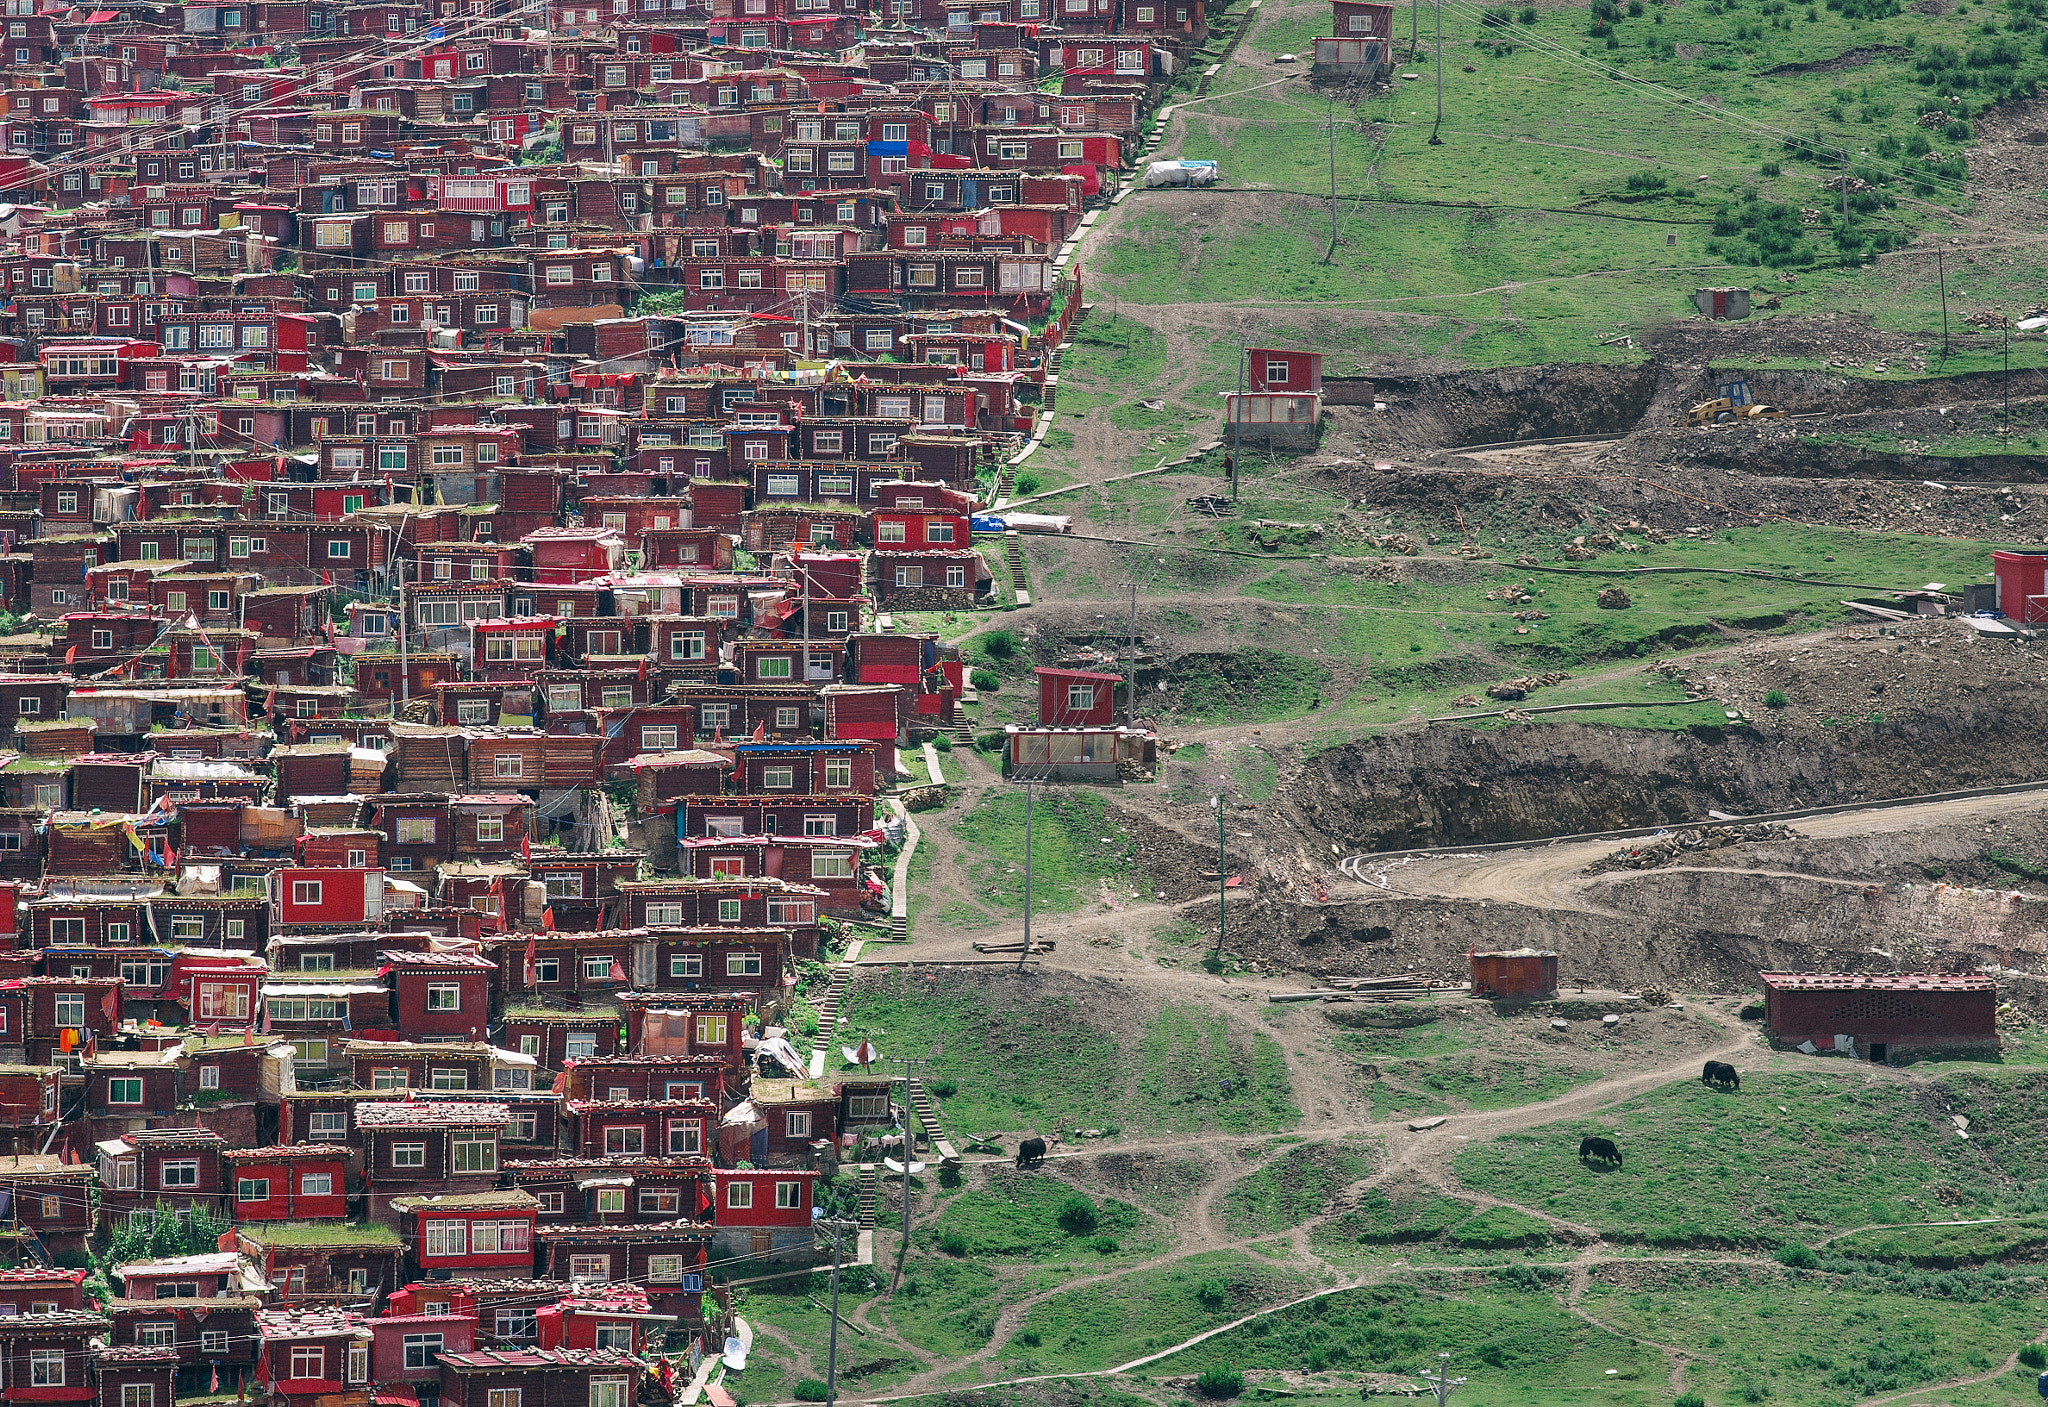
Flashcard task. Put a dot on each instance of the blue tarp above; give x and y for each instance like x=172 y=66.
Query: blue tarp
x=888 y=148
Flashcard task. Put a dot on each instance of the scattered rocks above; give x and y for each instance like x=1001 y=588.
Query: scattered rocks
x=1510 y=690
x=1613 y=598
x=1677 y=845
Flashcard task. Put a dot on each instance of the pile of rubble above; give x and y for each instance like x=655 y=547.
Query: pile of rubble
x=1584 y=547
x=1990 y=320
x=1676 y=845
x=1513 y=690
x=1613 y=598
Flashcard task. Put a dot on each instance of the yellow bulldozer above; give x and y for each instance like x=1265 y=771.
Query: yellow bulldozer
x=1722 y=409
x=1732 y=404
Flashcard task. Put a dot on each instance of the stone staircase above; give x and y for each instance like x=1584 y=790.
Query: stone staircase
x=870 y=1183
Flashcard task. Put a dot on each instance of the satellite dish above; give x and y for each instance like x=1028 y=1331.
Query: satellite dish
x=895 y=1167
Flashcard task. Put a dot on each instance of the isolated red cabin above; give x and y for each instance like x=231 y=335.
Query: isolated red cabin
x=1526 y=974
x=1276 y=369
x=1883 y=1016
x=2022 y=585
x=1076 y=698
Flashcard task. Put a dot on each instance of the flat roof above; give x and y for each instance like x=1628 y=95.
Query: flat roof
x=1877 y=982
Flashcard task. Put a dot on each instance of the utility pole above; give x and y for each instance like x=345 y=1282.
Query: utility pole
x=1414 y=8
x=2005 y=332
x=796 y=553
x=837 y=1231
x=1941 y=272
x=1434 y=139
x=1027 y=784
x=1331 y=128
x=1131 y=689
x=1441 y=1383
x=909 y=1148
x=1237 y=417
x=404 y=669
x=1222 y=880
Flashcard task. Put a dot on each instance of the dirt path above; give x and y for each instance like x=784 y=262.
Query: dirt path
x=1553 y=876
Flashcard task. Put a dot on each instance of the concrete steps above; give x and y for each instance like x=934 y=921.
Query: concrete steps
x=828 y=1016
x=928 y=1116
x=869 y=1185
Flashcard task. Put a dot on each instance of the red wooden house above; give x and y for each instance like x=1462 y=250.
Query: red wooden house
x=407 y=1348
x=416 y=1149
x=469 y=1234
x=289 y=1183
x=313 y=1353
x=570 y=555
x=45 y=1357
x=1074 y=698
x=606 y=1377
x=33 y=1289
x=326 y=897
x=148 y=1168
x=440 y=995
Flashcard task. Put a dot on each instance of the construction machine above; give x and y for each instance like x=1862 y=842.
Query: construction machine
x=1733 y=403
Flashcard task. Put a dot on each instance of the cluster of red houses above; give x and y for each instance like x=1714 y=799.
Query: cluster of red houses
x=441 y=440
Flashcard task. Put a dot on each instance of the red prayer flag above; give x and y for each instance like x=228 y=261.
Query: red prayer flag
x=617 y=974
x=547 y=919
x=530 y=952
x=643 y=668
x=71 y=656
x=112 y=1007
x=526 y=849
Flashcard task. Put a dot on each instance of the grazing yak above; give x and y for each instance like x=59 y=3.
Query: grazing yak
x=1031 y=1152
x=1720 y=1076
x=1600 y=1148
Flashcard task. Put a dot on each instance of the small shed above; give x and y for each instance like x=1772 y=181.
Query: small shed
x=1523 y=974
x=1722 y=303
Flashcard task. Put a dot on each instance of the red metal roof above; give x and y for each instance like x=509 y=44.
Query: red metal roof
x=1079 y=674
x=1877 y=982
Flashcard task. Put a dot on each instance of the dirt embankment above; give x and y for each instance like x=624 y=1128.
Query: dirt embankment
x=1453 y=787
x=1518 y=403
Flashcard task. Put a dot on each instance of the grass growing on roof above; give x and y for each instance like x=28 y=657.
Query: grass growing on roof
x=1703 y=1168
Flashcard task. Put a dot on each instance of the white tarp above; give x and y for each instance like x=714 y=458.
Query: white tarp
x=1181 y=173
